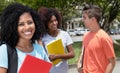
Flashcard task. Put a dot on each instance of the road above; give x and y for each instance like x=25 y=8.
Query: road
x=79 y=38
x=116 y=69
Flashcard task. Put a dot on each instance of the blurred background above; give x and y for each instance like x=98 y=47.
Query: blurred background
x=71 y=11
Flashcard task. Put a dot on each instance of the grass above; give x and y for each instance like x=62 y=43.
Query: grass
x=77 y=50
x=117 y=49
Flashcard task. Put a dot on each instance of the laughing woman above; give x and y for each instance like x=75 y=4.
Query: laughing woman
x=20 y=27
x=52 y=21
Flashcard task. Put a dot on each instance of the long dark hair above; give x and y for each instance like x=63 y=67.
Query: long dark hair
x=9 y=23
x=46 y=13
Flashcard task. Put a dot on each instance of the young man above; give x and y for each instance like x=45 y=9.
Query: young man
x=98 y=53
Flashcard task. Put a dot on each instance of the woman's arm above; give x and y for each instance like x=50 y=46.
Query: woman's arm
x=68 y=55
x=3 y=59
x=3 y=70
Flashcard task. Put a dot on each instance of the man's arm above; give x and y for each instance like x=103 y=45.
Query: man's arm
x=111 y=65
x=80 y=61
x=79 y=64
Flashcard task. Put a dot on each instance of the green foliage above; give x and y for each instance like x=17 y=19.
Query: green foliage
x=117 y=49
x=66 y=7
x=3 y=3
x=77 y=50
x=111 y=8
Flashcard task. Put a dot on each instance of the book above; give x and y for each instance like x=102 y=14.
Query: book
x=32 y=64
x=55 y=47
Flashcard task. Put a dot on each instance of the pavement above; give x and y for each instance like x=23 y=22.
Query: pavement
x=73 y=68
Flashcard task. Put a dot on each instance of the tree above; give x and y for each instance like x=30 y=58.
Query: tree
x=111 y=9
x=3 y=3
x=66 y=7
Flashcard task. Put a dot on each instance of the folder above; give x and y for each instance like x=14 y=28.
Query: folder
x=55 y=47
x=32 y=64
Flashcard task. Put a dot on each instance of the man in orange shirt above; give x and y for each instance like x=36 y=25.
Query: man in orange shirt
x=98 y=53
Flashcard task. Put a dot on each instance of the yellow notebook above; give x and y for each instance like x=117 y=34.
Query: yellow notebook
x=55 y=47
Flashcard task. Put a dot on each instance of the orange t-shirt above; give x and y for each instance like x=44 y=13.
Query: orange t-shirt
x=98 y=49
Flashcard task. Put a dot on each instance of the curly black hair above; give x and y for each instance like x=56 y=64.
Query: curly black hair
x=9 y=23
x=46 y=13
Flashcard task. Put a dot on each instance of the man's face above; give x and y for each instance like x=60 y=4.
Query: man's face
x=86 y=20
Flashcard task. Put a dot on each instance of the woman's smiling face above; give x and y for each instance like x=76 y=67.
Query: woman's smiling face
x=53 y=23
x=26 y=27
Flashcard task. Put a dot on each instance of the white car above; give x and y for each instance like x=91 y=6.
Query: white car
x=81 y=31
x=71 y=32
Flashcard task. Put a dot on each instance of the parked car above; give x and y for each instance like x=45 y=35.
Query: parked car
x=71 y=32
x=81 y=32
x=114 y=31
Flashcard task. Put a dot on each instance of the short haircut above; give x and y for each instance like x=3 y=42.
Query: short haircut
x=9 y=23
x=93 y=11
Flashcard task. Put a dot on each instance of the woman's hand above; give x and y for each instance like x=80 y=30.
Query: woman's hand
x=53 y=57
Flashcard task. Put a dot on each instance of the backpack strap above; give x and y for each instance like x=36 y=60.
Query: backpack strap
x=12 y=59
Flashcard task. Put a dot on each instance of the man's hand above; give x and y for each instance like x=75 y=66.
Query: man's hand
x=80 y=70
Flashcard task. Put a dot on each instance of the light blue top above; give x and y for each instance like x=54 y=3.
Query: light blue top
x=38 y=52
